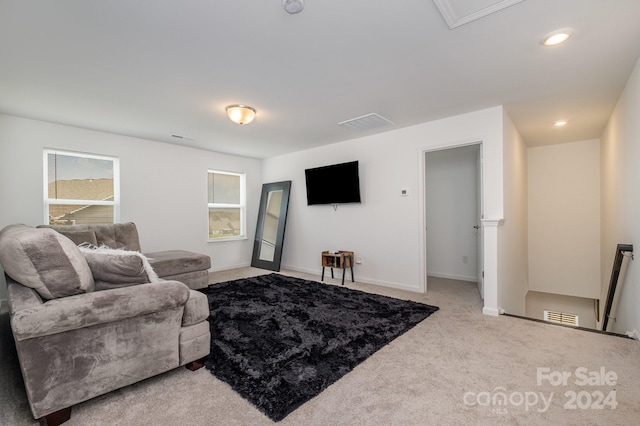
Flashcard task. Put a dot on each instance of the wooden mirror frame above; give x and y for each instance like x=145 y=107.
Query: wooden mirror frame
x=267 y=188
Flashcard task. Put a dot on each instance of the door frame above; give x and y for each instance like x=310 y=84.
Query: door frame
x=422 y=152
x=480 y=212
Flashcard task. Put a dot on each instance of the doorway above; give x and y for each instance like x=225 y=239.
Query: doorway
x=453 y=212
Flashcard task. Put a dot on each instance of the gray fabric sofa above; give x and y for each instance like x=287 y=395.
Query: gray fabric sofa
x=75 y=342
x=179 y=265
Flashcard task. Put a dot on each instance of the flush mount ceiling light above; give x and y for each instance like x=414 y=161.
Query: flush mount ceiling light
x=241 y=114
x=560 y=123
x=293 y=6
x=557 y=37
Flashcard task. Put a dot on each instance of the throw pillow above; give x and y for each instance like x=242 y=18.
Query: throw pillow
x=118 y=266
x=44 y=260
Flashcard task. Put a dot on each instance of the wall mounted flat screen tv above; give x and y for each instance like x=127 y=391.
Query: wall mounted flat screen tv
x=335 y=184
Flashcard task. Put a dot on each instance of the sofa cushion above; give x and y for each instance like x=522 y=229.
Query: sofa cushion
x=81 y=236
x=175 y=262
x=117 y=235
x=117 y=266
x=194 y=280
x=44 y=260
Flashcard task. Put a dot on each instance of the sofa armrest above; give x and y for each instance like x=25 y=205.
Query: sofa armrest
x=197 y=308
x=85 y=310
x=21 y=296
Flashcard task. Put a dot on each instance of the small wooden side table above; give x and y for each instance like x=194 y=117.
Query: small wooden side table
x=340 y=260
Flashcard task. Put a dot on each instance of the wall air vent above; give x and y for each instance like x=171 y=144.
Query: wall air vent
x=561 y=318
x=187 y=138
x=366 y=122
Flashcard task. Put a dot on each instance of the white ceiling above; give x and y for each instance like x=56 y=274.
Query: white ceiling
x=158 y=68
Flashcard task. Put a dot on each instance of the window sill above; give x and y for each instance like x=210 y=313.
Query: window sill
x=219 y=240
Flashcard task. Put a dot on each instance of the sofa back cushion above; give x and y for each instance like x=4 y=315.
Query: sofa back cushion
x=44 y=260
x=81 y=237
x=116 y=236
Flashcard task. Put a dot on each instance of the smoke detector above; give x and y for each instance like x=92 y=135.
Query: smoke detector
x=293 y=6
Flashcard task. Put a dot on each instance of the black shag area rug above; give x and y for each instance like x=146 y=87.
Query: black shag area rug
x=279 y=341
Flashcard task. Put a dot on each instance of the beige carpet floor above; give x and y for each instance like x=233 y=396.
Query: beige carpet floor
x=445 y=371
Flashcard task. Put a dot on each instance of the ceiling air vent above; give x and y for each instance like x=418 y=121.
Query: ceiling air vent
x=366 y=122
x=460 y=12
x=561 y=318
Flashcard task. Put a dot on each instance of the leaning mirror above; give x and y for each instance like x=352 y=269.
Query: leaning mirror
x=272 y=218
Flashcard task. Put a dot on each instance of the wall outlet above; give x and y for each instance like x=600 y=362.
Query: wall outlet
x=358 y=260
x=465 y=259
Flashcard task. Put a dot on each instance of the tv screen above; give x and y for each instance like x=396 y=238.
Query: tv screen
x=335 y=184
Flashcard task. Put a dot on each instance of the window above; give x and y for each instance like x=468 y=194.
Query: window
x=80 y=188
x=226 y=201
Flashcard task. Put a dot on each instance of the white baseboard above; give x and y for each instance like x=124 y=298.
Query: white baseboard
x=303 y=270
x=363 y=280
x=491 y=311
x=226 y=268
x=453 y=276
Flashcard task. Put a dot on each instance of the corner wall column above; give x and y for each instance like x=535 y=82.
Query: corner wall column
x=490 y=267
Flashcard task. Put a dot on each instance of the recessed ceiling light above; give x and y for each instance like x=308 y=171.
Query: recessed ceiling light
x=293 y=6
x=557 y=37
x=560 y=123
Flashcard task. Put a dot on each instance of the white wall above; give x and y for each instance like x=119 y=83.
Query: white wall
x=386 y=230
x=512 y=234
x=564 y=219
x=620 y=208
x=451 y=188
x=163 y=186
x=164 y=192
